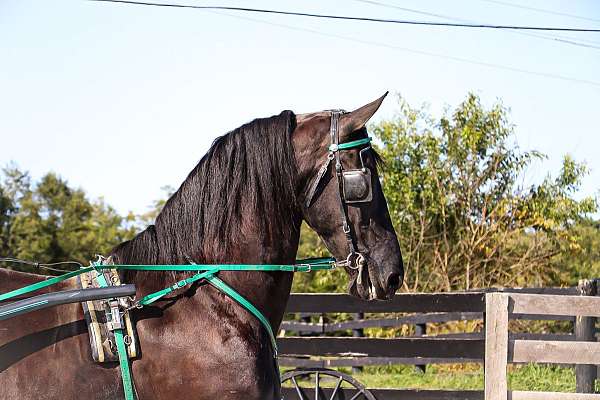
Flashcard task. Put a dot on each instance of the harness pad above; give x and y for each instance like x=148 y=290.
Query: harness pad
x=99 y=319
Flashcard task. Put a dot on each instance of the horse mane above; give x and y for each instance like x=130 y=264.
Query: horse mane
x=248 y=176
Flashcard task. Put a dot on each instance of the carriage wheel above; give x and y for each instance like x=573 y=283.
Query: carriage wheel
x=322 y=384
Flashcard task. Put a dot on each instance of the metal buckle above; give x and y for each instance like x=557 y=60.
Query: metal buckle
x=116 y=321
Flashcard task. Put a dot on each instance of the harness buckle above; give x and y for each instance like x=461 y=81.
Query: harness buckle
x=135 y=305
x=116 y=322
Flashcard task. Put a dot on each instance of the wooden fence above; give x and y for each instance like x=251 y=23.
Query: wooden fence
x=421 y=349
x=501 y=349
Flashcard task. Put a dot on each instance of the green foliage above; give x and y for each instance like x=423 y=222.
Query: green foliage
x=462 y=217
x=319 y=281
x=149 y=217
x=50 y=221
x=580 y=258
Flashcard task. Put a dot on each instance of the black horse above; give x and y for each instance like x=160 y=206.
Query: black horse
x=243 y=203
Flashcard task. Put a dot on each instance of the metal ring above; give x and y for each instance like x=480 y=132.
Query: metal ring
x=349 y=261
x=346 y=229
x=360 y=259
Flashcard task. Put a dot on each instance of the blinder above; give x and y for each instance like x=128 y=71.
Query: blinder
x=356 y=183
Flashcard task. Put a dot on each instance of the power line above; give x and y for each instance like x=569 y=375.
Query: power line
x=542 y=10
x=578 y=42
x=414 y=51
x=429 y=14
x=348 y=18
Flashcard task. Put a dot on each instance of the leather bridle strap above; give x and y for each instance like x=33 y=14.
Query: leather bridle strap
x=355 y=260
x=335 y=153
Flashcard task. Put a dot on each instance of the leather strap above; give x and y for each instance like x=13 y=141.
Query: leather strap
x=313 y=188
x=334 y=148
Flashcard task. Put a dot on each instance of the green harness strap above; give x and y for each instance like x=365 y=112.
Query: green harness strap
x=301 y=266
x=349 y=145
x=152 y=297
x=124 y=364
x=121 y=348
x=43 y=284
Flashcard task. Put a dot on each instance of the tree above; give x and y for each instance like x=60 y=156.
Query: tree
x=148 y=218
x=462 y=216
x=50 y=221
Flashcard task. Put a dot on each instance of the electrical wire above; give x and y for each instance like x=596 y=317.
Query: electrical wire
x=570 y=41
x=413 y=51
x=542 y=10
x=348 y=18
x=45 y=266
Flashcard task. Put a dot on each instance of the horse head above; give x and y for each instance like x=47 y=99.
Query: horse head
x=342 y=198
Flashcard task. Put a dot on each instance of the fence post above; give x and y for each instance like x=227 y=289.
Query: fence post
x=585 y=330
x=496 y=346
x=305 y=317
x=357 y=333
x=323 y=320
x=421 y=330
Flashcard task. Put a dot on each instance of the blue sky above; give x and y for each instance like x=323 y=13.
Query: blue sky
x=122 y=100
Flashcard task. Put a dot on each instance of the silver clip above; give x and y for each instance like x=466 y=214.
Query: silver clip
x=116 y=321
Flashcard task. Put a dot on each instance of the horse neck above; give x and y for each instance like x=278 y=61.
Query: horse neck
x=268 y=291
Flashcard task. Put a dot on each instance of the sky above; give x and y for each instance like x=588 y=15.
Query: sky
x=122 y=100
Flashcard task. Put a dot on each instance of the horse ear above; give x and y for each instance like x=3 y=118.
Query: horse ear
x=358 y=118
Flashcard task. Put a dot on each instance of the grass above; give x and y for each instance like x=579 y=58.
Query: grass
x=467 y=377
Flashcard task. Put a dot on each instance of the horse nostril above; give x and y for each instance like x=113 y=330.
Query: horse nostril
x=393 y=281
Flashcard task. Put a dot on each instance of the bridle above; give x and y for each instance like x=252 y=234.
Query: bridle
x=354 y=186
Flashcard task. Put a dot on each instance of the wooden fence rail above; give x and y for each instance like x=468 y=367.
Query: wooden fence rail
x=495 y=347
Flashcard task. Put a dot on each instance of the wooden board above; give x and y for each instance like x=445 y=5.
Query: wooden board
x=362 y=361
x=556 y=352
x=563 y=291
x=405 y=320
x=390 y=394
x=496 y=346
x=588 y=306
x=379 y=322
x=396 y=347
x=524 y=395
x=425 y=302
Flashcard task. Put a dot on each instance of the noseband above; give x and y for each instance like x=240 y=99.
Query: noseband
x=354 y=186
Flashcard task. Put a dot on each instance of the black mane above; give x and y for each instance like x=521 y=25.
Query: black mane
x=247 y=176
